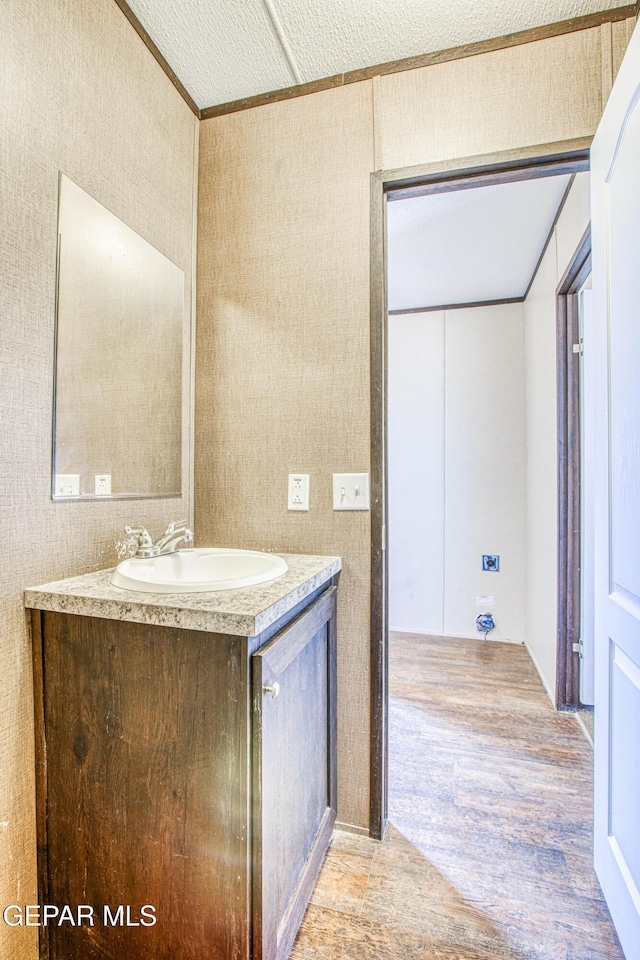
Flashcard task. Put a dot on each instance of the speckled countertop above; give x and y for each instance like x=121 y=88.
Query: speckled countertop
x=243 y=612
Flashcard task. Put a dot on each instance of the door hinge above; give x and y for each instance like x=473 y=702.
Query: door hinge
x=578 y=648
x=384 y=536
x=578 y=348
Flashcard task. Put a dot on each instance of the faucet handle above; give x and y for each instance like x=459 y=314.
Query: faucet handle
x=174 y=525
x=145 y=543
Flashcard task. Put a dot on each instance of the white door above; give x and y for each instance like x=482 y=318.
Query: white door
x=616 y=316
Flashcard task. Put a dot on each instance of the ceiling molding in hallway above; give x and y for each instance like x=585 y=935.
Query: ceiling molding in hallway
x=455 y=306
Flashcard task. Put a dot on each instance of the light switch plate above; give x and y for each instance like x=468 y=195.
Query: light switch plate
x=351 y=491
x=67 y=485
x=298 y=491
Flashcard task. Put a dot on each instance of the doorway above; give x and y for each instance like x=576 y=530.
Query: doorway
x=575 y=531
x=568 y=158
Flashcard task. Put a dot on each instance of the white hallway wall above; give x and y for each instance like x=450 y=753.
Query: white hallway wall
x=456 y=469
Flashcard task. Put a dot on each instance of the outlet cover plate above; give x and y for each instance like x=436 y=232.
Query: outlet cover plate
x=351 y=491
x=298 y=491
x=102 y=483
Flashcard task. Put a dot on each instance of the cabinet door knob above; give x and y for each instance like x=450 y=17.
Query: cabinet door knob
x=274 y=690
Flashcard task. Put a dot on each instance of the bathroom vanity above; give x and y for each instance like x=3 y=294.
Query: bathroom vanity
x=186 y=762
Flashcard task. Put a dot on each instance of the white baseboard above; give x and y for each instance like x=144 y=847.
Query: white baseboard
x=459 y=636
x=551 y=695
x=584 y=728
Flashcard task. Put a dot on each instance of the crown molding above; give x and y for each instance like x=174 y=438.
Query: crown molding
x=164 y=64
x=424 y=60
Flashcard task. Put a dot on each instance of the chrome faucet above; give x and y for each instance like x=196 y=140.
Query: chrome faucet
x=177 y=532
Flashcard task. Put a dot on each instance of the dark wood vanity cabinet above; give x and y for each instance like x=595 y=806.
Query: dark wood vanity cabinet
x=185 y=771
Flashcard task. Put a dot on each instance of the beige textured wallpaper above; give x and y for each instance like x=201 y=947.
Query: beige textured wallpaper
x=533 y=93
x=283 y=299
x=282 y=355
x=79 y=92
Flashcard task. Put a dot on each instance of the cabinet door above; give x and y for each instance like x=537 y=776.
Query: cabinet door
x=143 y=789
x=294 y=772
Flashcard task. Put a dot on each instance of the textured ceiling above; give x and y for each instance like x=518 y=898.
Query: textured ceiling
x=225 y=50
x=469 y=245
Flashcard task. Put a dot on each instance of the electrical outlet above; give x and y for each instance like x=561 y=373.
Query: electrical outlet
x=490 y=562
x=102 y=484
x=298 y=491
x=67 y=485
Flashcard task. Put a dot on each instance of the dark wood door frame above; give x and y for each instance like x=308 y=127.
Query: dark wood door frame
x=568 y=385
x=571 y=156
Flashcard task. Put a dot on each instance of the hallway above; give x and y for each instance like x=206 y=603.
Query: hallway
x=488 y=851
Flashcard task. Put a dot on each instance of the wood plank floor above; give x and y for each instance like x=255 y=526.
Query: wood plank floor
x=488 y=852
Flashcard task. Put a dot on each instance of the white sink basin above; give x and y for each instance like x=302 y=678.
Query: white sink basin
x=198 y=570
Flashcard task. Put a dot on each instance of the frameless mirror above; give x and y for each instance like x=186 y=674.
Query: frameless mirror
x=117 y=427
